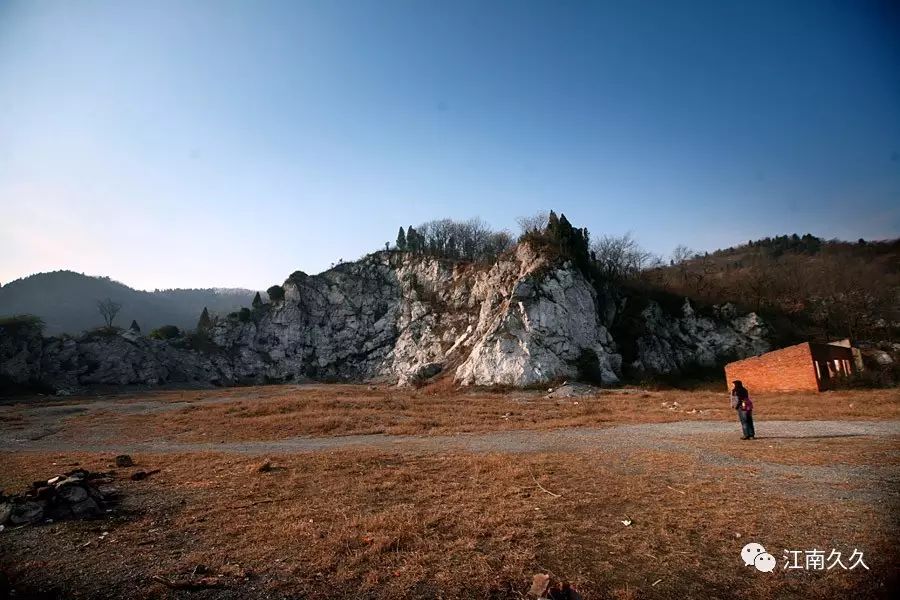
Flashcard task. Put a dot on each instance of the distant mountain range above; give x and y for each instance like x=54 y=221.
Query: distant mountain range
x=67 y=302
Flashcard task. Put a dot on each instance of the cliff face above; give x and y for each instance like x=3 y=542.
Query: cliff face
x=402 y=318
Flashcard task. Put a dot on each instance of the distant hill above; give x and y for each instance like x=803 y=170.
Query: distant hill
x=67 y=302
x=817 y=288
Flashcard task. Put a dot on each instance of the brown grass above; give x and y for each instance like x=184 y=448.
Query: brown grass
x=361 y=524
x=813 y=451
x=385 y=525
x=275 y=412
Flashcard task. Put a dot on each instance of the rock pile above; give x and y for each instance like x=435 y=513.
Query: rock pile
x=75 y=495
x=573 y=390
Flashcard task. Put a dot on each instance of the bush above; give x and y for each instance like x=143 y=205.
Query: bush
x=276 y=293
x=166 y=332
x=98 y=333
x=14 y=324
x=200 y=341
x=560 y=240
x=588 y=366
x=244 y=315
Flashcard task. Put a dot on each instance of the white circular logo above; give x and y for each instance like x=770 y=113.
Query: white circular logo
x=750 y=552
x=764 y=562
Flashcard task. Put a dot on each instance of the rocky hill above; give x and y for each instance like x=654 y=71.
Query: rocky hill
x=529 y=317
x=67 y=302
x=809 y=288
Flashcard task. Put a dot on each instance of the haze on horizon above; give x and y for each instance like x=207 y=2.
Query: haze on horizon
x=228 y=144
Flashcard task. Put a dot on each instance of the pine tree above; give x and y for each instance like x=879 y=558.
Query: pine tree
x=204 y=322
x=276 y=292
x=401 y=240
x=412 y=239
x=135 y=327
x=257 y=301
x=552 y=224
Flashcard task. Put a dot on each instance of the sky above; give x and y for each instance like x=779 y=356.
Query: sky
x=200 y=143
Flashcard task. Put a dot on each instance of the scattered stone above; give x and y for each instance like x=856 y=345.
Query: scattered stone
x=543 y=588
x=426 y=372
x=72 y=493
x=124 y=461
x=265 y=467
x=882 y=358
x=26 y=512
x=539 y=584
x=141 y=475
x=85 y=509
x=563 y=591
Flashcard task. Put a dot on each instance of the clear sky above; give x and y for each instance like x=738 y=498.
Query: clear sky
x=194 y=143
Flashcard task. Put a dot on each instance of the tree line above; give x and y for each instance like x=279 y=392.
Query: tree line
x=471 y=240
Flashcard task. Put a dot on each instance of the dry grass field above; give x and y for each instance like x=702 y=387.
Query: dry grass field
x=388 y=503
x=276 y=412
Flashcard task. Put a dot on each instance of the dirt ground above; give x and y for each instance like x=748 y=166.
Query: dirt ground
x=380 y=493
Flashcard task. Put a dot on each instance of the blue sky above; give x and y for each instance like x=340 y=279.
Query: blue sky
x=211 y=143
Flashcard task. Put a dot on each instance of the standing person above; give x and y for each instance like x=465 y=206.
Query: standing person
x=740 y=400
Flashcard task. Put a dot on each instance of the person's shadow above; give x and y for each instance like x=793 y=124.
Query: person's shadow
x=809 y=437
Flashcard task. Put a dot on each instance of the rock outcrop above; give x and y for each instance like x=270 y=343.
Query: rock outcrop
x=402 y=318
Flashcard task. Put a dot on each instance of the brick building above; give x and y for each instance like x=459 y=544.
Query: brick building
x=804 y=367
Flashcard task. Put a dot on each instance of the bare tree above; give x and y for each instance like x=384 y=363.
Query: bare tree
x=681 y=254
x=534 y=223
x=620 y=257
x=680 y=257
x=108 y=310
x=470 y=240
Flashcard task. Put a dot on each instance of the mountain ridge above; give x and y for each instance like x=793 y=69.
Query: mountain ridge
x=66 y=301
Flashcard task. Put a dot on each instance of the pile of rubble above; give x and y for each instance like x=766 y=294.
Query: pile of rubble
x=75 y=495
x=572 y=390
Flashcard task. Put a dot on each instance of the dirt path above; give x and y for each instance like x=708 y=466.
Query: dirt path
x=650 y=436
x=49 y=428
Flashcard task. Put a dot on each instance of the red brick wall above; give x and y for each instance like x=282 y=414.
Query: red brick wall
x=788 y=369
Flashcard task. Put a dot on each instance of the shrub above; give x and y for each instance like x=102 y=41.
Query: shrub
x=560 y=239
x=16 y=323
x=588 y=366
x=276 y=293
x=166 y=332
